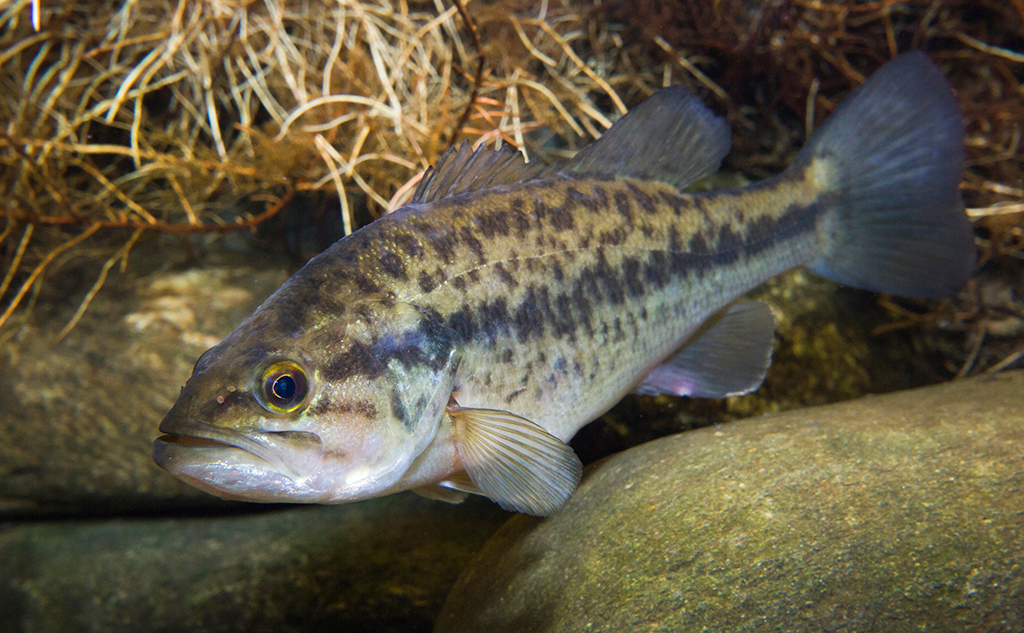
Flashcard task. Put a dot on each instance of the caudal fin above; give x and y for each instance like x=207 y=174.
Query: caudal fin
x=893 y=156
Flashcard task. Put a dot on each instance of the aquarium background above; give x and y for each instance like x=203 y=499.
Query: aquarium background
x=164 y=166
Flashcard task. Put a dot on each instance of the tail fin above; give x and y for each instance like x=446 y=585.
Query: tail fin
x=895 y=150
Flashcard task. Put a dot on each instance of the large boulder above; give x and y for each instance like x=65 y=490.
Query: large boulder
x=895 y=513
x=383 y=565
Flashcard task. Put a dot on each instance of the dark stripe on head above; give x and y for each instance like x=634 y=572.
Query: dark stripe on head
x=428 y=346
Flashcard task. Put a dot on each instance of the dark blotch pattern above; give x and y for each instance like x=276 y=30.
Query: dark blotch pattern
x=493 y=223
x=506 y=277
x=408 y=244
x=425 y=281
x=562 y=218
x=643 y=199
x=429 y=346
x=468 y=237
x=585 y=252
x=399 y=411
x=365 y=284
x=528 y=318
x=624 y=207
x=393 y=265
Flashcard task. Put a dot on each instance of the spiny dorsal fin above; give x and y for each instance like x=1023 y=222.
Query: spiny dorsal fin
x=515 y=462
x=671 y=137
x=462 y=170
x=728 y=356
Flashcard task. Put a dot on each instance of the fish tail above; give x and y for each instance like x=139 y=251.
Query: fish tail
x=889 y=163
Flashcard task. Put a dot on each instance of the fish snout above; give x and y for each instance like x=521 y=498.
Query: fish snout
x=297 y=455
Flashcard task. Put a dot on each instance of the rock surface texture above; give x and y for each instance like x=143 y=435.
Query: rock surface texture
x=380 y=566
x=895 y=513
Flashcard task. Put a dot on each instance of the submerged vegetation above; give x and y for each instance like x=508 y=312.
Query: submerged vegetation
x=123 y=121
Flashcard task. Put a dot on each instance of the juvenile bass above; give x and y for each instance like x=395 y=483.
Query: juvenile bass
x=455 y=345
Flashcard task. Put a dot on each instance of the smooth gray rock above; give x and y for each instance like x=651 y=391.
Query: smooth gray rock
x=382 y=565
x=895 y=513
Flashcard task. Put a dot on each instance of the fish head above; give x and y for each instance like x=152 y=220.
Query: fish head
x=338 y=412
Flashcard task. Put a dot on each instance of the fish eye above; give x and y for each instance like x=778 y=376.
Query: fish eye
x=283 y=388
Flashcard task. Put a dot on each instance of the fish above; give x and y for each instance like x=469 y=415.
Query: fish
x=454 y=346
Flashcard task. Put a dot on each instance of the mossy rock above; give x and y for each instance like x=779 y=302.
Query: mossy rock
x=892 y=513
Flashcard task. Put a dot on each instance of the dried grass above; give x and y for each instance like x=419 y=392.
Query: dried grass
x=162 y=116
x=785 y=65
x=126 y=119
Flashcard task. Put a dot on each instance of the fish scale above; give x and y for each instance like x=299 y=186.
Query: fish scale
x=629 y=286
x=456 y=345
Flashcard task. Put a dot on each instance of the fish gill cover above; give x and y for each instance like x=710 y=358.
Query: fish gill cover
x=123 y=122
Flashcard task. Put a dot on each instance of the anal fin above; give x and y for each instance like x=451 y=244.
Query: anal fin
x=728 y=356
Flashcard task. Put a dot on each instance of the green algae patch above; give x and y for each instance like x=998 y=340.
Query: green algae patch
x=896 y=513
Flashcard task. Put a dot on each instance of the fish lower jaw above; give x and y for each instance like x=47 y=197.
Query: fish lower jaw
x=229 y=472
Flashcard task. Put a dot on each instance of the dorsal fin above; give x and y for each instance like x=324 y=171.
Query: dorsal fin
x=462 y=170
x=671 y=137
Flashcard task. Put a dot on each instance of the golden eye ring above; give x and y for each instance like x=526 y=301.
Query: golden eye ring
x=283 y=387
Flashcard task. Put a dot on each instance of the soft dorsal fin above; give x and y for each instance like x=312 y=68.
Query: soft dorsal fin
x=463 y=169
x=671 y=137
x=728 y=356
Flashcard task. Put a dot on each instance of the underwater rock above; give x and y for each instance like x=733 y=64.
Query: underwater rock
x=382 y=565
x=892 y=513
x=78 y=416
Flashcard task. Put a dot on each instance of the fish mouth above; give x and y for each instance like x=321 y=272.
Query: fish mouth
x=189 y=448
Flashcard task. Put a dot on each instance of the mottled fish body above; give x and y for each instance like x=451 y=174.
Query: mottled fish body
x=455 y=345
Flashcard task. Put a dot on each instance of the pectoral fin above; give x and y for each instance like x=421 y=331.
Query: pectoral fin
x=515 y=462
x=728 y=356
